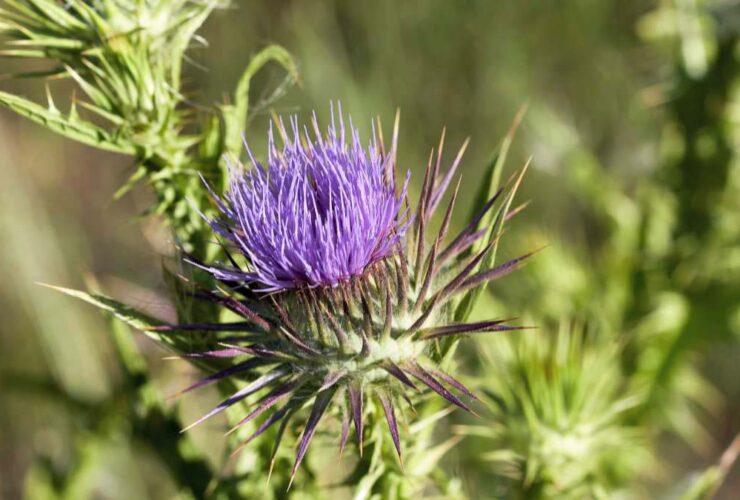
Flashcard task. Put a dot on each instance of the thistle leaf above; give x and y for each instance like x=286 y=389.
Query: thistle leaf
x=76 y=129
x=429 y=460
x=463 y=328
x=491 y=183
x=125 y=313
x=235 y=115
x=496 y=272
x=469 y=300
x=344 y=435
x=269 y=422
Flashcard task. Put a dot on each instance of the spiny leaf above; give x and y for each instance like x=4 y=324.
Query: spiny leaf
x=272 y=419
x=231 y=352
x=235 y=116
x=125 y=313
x=490 y=184
x=469 y=234
x=344 y=435
x=76 y=129
x=331 y=379
x=240 y=326
x=454 y=383
x=279 y=437
x=394 y=370
x=469 y=299
x=496 y=272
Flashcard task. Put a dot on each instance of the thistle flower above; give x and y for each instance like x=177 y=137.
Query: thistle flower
x=360 y=301
x=319 y=214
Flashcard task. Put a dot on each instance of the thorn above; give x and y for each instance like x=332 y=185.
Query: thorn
x=272 y=467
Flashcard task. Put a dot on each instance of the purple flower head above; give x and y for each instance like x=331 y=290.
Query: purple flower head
x=319 y=213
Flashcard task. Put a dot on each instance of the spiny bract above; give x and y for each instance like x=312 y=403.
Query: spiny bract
x=361 y=303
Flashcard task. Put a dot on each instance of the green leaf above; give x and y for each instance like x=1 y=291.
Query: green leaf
x=22 y=53
x=49 y=43
x=468 y=301
x=47 y=73
x=61 y=17
x=138 y=175
x=125 y=346
x=365 y=486
x=125 y=313
x=492 y=180
x=68 y=126
x=488 y=189
x=430 y=459
x=235 y=116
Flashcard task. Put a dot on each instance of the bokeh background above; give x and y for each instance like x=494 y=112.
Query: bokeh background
x=631 y=122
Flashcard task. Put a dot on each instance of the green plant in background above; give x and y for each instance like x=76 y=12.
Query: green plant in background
x=662 y=282
x=560 y=426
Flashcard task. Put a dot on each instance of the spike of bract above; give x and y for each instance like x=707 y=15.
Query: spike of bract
x=337 y=297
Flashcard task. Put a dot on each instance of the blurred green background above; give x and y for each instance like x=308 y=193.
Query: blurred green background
x=632 y=124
